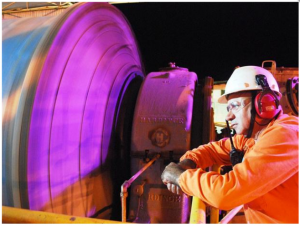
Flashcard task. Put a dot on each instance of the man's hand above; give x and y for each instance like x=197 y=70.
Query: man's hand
x=174 y=189
x=170 y=177
x=172 y=172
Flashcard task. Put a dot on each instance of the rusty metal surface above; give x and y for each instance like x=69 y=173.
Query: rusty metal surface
x=151 y=202
x=164 y=112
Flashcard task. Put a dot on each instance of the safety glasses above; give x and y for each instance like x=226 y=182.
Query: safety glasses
x=237 y=105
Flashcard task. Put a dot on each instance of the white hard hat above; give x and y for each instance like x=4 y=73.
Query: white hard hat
x=243 y=79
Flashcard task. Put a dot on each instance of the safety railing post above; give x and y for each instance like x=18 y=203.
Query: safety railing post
x=198 y=212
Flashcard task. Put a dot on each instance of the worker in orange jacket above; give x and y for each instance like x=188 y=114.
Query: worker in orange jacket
x=265 y=179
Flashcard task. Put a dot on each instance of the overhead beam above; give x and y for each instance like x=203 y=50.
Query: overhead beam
x=35 y=9
x=8 y=5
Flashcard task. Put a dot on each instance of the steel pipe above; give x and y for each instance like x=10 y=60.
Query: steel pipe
x=127 y=183
x=230 y=215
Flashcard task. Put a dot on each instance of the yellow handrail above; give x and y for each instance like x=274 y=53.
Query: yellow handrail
x=17 y=215
x=198 y=212
x=214 y=212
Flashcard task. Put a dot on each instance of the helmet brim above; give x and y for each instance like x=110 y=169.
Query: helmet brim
x=223 y=99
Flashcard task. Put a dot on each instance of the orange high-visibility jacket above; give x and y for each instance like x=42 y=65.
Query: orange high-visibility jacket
x=266 y=182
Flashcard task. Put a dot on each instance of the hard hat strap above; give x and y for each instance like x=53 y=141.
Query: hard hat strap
x=253 y=114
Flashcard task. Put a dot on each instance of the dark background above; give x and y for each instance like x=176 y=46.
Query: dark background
x=212 y=38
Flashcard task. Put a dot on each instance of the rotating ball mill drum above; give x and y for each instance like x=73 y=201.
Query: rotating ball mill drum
x=65 y=81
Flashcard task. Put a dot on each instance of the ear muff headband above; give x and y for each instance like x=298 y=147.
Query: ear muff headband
x=266 y=101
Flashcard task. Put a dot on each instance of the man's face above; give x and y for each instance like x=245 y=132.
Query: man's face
x=239 y=111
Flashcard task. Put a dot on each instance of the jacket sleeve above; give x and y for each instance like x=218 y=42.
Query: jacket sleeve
x=215 y=152
x=273 y=159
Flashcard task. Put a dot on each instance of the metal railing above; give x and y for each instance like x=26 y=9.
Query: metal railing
x=198 y=213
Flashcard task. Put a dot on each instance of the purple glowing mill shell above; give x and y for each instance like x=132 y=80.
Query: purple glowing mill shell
x=79 y=69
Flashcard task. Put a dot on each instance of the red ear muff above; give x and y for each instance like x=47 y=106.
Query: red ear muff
x=265 y=105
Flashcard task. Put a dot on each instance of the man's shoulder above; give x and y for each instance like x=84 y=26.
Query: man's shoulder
x=285 y=119
x=283 y=125
x=280 y=134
